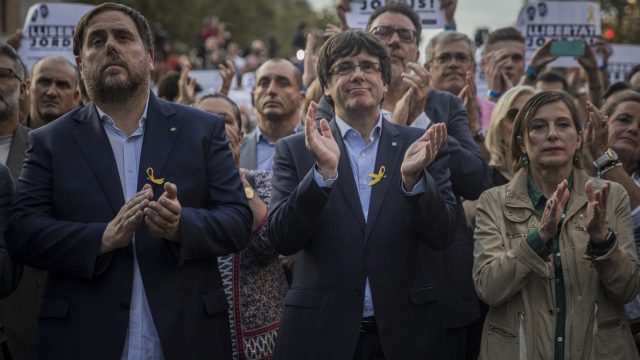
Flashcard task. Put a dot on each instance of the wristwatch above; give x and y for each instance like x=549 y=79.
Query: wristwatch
x=249 y=193
x=608 y=156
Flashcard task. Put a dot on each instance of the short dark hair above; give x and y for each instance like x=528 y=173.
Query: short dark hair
x=400 y=8
x=218 y=95
x=633 y=71
x=168 y=86
x=615 y=88
x=138 y=19
x=503 y=34
x=297 y=74
x=351 y=42
x=10 y=52
x=524 y=119
x=552 y=76
x=614 y=101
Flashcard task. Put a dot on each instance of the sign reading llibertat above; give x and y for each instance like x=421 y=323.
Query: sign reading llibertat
x=623 y=59
x=48 y=30
x=539 y=21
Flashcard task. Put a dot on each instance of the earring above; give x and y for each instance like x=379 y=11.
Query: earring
x=576 y=158
x=524 y=160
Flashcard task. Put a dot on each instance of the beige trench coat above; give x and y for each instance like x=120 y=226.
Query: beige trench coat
x=519 y=286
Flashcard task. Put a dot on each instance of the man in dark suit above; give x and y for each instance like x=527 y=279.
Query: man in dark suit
x=13 y=89
x=360 y=204
x=277 y=97
x=127 y=202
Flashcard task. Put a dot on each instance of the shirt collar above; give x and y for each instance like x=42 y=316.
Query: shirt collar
x=535 y=194
x=345 y=128
x=141 y=123
x=260 y=137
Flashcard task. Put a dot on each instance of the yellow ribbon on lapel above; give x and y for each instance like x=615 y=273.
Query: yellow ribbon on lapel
x=376 y=177
x=152 y=178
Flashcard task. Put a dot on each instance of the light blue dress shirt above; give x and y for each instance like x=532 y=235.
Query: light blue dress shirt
x=142 y=340
x=362 y=157
x=265 y=151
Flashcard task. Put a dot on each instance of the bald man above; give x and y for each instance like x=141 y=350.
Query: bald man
x=54 y=90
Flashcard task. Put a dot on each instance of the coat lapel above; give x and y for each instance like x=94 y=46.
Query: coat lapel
x=160 y=134
x=346 y=182
x=94 y=144
x=389 y=155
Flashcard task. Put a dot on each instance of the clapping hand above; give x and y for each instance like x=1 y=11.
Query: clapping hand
x=552 y=214
x=421 y=154
x=163 y=216
x=323 y=147
x=597 y=211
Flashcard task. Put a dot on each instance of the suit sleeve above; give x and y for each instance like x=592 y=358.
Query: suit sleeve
x=433 y=213
x=36 y=237
x=296 y=203
x=470 y=173
x=10 y=272
x=224 y=226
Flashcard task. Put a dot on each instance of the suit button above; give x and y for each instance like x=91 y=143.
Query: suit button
x=367 y=252
x=357 y=293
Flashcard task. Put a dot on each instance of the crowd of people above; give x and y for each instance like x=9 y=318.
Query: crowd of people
x=355 y=204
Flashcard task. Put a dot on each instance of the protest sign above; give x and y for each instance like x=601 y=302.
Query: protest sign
x=622 y=60
x=430 y=12
x=209 y=80
x=539 y=21
x=48 y=30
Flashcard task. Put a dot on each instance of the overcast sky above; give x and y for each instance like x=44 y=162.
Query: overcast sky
x=472 y=14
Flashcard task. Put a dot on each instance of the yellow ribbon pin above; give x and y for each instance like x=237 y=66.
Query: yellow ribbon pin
x=152 y=178
x=376 y=177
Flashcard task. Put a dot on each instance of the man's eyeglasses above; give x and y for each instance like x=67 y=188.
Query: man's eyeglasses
x=446 y=58
x=347 y=68
x=6 y=73
x=385 y=33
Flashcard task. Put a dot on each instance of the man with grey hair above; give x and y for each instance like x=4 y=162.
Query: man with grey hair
x=450 y=60
x=13 y=136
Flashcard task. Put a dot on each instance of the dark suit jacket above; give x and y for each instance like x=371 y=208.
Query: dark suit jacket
x=16 y=151
x=249 y=151
x=70 y=189
x=336 y=252
x=470 y=176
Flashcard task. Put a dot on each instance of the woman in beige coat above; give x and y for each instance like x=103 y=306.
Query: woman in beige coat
x=554 y=257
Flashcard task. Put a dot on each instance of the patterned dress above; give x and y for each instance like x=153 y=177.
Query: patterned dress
x=255 y=285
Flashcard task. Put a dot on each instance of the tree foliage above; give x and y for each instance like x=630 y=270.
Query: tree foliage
x=623 y=16
x=246 y=20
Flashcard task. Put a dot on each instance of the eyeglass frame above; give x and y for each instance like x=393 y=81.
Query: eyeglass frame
x=376 y=67
x=396 y=30
x=457 y=56
x=12 y=72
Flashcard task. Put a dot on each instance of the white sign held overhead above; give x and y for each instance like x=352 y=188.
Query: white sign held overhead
x=539 y=21
x=48 y=30
x=430 y=12
x=622 y=60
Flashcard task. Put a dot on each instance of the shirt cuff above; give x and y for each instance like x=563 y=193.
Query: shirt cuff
x=537 y=245
x=322 y=182
x=418 y=188
x=600 y=249
x=422 y=121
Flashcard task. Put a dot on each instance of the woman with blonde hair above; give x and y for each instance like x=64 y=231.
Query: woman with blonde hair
x=498 y=140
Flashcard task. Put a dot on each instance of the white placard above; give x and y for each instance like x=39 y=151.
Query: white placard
x=623 y=58
x=562 y=20
x=430 y=12
x=48 y=30
x=209 y=80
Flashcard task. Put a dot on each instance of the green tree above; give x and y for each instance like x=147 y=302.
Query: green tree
x=246 y=20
